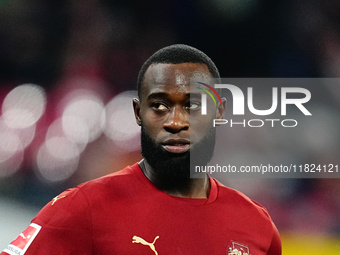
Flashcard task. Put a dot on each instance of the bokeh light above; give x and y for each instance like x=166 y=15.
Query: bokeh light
x=121 y=125
x=24 y=106
x=83 y=118
x=11 y=149
x=57 y=159
x=9 y=142
x=56 y=130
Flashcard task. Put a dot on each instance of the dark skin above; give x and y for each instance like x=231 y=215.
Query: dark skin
x=170 y=112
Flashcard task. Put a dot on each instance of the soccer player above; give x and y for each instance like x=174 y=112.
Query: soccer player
x=154 y=206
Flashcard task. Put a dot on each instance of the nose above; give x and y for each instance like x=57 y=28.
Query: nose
x=178 y=120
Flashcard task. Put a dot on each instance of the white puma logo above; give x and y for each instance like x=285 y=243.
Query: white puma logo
x=137 y=239
x=24 y=237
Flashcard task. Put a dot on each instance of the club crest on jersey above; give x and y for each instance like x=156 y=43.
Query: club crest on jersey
x=238 y=249
x=23 y=241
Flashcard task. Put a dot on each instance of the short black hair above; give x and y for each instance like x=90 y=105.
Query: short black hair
x=177 y=54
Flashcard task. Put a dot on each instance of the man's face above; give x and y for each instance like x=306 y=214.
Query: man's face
x=169 y=112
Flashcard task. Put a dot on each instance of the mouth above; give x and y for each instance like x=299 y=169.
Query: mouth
x=176 y=146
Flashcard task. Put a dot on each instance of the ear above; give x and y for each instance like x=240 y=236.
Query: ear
x=136 y=109
x=220 y=110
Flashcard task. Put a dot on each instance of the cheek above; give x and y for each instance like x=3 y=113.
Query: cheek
x=152 y=123
x=150 y=118
x=200 y=125
x=197 y=119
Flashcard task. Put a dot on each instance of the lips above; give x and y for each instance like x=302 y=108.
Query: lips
x=176 y=146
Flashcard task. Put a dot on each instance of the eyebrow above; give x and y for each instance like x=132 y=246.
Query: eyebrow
x=158 y=95
x=195 y=95
x=166 y=95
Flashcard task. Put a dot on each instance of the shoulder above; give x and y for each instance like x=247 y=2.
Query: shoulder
x=126 y=174
x=112 y=185
x=252 y=215
x=80 y=199
x=241 y=202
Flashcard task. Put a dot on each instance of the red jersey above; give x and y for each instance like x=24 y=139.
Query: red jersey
x=124 y=213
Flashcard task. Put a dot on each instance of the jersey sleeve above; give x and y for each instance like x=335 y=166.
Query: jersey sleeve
x=275 y=246
x=63 y=226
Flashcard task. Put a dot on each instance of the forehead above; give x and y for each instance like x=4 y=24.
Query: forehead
x=170 y=77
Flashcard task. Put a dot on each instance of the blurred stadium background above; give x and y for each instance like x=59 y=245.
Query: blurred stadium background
x=67 y=76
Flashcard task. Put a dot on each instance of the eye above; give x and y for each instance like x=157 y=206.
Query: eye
x=159 y=106
x=193 y=106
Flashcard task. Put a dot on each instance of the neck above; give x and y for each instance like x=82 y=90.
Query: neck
x=190 y=188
